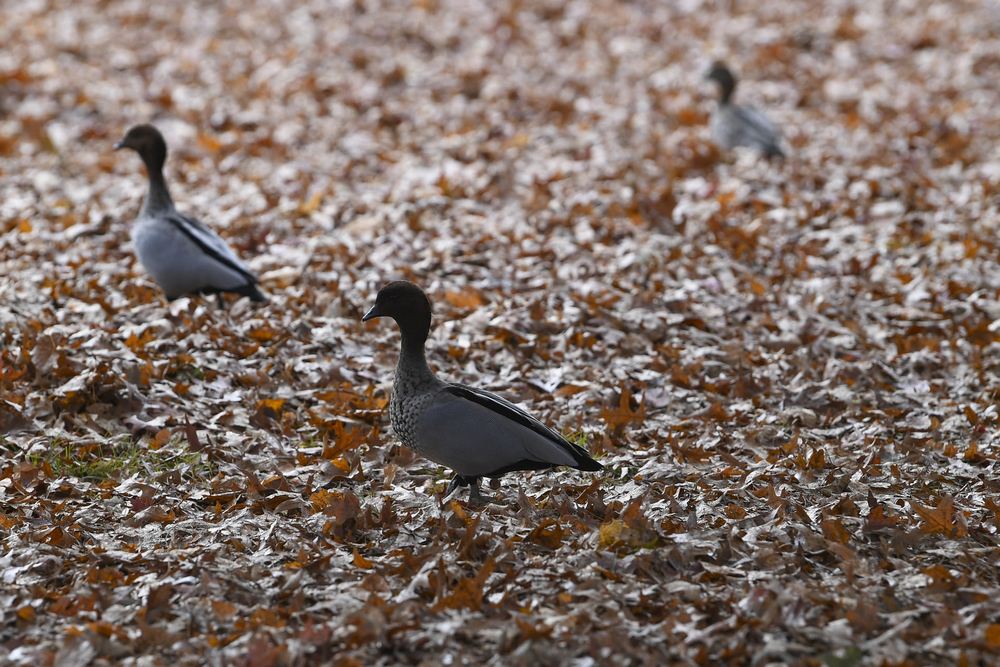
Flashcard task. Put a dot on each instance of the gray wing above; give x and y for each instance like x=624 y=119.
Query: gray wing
x=479 y=438
x=211 y=244
x=540 y=445
x=736 y=125
x=757 y=130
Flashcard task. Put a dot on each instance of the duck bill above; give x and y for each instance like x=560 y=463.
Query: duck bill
x=372 y=314
x=119 y=145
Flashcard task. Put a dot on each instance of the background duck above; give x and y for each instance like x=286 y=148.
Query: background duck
x=181 y=254
x=734 y=125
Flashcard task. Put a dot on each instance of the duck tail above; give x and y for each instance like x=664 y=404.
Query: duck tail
x=587 y=463
x=251 y=291
x=583 y=460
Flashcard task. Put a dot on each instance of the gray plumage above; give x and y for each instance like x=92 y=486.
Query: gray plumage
x=181 y=254
x=733 y=125
x=473 y=432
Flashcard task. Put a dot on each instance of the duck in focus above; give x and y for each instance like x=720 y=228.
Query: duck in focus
x=181 y=254
x=474 y=432
x=734 y=125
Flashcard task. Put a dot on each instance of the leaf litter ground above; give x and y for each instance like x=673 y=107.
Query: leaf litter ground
x=788 y=369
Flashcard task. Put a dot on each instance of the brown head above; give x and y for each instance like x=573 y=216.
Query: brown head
x=723 y=76
x=409 y=306
x=147 y=141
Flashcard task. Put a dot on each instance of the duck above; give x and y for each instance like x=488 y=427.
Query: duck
x=182 y=255
x=473 y=432
x=734 y=125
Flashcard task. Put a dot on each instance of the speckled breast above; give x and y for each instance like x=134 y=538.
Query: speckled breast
x=405 y=409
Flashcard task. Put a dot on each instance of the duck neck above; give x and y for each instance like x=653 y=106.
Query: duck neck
x=158 y=197
x=412 y=363
x=727 y=86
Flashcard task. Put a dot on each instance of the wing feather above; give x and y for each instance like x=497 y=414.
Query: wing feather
x=211 y=244
x=510 y=411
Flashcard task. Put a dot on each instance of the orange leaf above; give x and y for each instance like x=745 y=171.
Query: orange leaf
x=972 y=453
x=137 y=343
x=341 y=464
x=459 y=511
x=519 y=140
x=362 y=562
x=273 y=405
x=691 y=116
x=263 y=334
x=321 y=499
x=466 y=299
x=817 y=460
x=992 y=636
x=735 y=512
x=312 y=204
x=161 y=438
x=209 y=143
x=548 y=534
x=102 y=628
x=834 y=530
x=971 y=415
x=610 y=533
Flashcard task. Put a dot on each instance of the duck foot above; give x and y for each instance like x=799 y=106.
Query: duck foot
x=475 y=496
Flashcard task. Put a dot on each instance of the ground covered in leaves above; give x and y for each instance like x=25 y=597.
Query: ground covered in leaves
x=790 y=370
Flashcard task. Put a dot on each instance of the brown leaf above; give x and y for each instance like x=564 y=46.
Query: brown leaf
x=223 y=610
x=468 y=593
x=362 y=562
x=991 y=636
x=834 y=530
x=548 y=534
x=877 y=519
x=623 y=414
x=864 y=618
x=940 y=519
x=941 y=578
x=312 y=204
x=466 y=299
x=735 y=512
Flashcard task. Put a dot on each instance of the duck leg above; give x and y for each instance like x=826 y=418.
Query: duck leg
x=455 y=482
x=474 y=494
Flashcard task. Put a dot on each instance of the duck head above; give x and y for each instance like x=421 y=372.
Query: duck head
x=722 y=75
x=408 y=306
x=147 y=141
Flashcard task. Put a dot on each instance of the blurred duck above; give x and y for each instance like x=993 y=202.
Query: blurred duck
x=733 y=125
x=181 y=254
x=475 y=433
